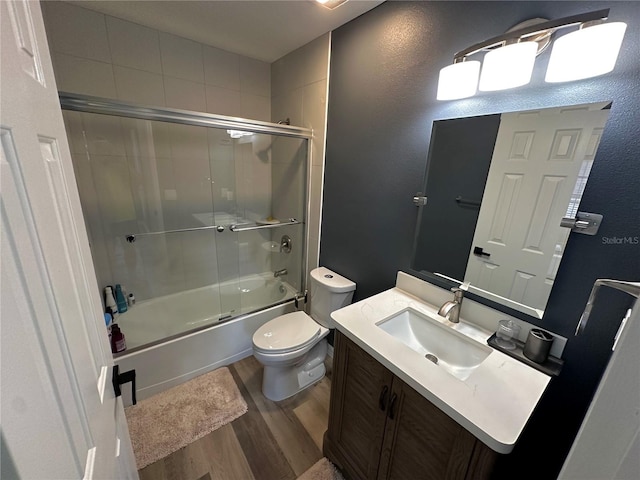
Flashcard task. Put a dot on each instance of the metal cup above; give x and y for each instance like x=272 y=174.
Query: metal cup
x=537 y=345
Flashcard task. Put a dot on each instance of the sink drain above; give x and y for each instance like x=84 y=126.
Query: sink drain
x=431 y=357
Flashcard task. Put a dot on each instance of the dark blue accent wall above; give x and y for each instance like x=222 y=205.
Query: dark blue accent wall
x=382 y=102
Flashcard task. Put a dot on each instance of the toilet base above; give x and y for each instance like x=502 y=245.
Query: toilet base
x=281 y=382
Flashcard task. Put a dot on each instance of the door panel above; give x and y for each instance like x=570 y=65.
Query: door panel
x=57 y=405
x=357 y=417
x=421 y=441
x=541 y=158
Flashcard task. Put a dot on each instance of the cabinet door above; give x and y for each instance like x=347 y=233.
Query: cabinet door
x=422 y=442
x=359 y=397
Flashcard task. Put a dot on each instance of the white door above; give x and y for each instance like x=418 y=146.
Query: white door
x=537 y=161
x=60 y=418
x=608 y=443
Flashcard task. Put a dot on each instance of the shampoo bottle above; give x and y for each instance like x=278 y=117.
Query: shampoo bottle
x=120 y=299
x=117 y=339
x=110 y=302
x=107 y=320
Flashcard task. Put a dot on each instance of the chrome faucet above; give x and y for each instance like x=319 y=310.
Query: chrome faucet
x=279 y=273
x=451 y=309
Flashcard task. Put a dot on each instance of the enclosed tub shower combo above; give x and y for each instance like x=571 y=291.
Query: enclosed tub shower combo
x=203 y=217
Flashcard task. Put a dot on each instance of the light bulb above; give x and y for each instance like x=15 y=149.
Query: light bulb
x=585 y=53
x=459 y=80
x=508 y=67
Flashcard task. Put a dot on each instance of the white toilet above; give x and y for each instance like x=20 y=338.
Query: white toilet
x=293 y=347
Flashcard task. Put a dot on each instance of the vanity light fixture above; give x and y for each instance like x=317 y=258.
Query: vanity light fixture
x=331 y=4
x=588 y=52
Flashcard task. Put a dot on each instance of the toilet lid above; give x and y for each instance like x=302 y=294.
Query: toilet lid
x=286 y=332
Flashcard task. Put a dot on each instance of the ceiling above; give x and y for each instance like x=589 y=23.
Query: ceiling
x=265 y=30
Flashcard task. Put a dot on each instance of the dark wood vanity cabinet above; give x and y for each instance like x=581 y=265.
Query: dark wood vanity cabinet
x=381 y=428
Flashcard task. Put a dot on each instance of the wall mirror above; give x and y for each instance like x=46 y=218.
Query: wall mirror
x=497 y=187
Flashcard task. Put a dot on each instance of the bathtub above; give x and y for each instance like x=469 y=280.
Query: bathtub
x=174 y=338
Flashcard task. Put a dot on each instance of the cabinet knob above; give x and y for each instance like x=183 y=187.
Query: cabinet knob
x=382 y=400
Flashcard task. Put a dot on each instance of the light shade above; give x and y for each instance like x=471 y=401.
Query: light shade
x=585 y=53
x=508 y=67
x=459 y=80
x=331 y=4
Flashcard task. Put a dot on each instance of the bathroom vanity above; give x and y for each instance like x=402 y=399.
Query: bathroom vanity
x=380 y=427
x=397 y=413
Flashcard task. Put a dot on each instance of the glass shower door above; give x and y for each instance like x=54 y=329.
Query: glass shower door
x=259 y=184
x=144 y=186
x=202 y=223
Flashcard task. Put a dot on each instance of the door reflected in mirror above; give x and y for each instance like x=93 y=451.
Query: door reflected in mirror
x=497 y=188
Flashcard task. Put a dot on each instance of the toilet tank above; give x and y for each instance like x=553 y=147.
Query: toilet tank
x=329 y=292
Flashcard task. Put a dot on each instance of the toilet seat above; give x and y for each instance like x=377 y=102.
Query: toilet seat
x=286 y=333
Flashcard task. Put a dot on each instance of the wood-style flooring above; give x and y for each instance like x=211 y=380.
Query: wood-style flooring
x=272 y=441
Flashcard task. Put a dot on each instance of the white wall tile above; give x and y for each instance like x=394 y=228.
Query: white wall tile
x=314 y=254
x=193 y=189
x=255 y=77
x=252 y=258
x=253 y=177
x=255 y=107
x=185 y=94
x=79 y=75
x=192 y=174
x=288 y=105
x=145 y=138
x=299 y=92
x=76 y=31
x=314 y=108
x=316 y=201
x=221 y=159
x=139 y=86
x=113 y=188
x=161 y=257
x=287 y=73
x=188 y=141
x=221 y=68
x=75 y=133
x=200 y=258
x=133 y=45
x=103 y=134
x=222 y=101
x=181 y=58
x=288 y=184
x=316 y=59
x=227 y=255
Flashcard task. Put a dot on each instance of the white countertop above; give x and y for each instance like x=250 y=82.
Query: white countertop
x=494 y=403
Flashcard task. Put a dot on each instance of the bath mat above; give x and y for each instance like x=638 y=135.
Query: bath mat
x=172 y=419
x=323 y=469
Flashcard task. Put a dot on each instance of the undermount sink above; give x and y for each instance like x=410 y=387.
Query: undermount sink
x=454 y=352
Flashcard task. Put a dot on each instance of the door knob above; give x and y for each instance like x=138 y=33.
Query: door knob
x=118 y=379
